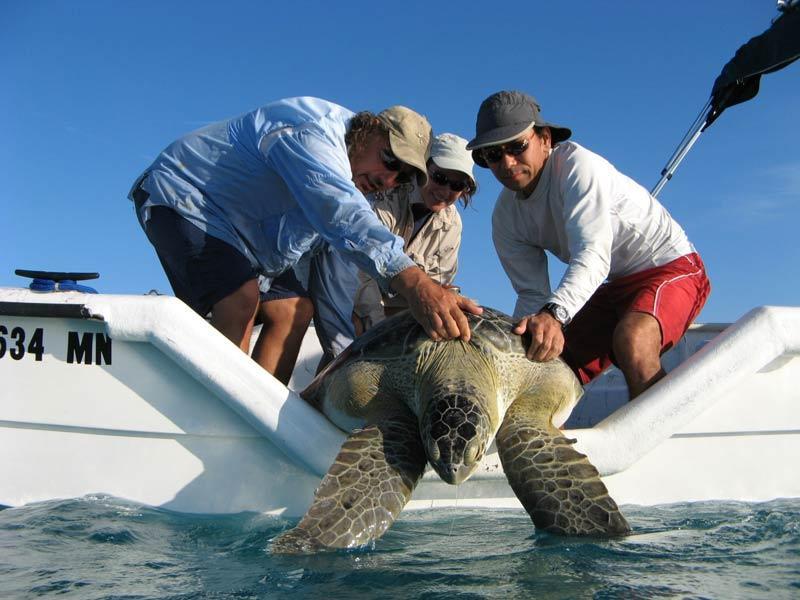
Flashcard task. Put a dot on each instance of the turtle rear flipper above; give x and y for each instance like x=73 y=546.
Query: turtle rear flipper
x=557 y=485
x=367 y=486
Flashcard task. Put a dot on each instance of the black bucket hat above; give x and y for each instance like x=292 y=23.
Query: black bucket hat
x=505 y=115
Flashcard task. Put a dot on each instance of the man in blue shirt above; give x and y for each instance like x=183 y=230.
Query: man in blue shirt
x=252 y=195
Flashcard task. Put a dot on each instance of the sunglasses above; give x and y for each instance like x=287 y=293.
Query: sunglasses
x=457 y=186
x=392 y=163
x=494 y=154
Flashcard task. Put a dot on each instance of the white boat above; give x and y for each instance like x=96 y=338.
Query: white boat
x=140 y=398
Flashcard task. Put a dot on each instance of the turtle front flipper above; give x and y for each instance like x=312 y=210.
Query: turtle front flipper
x=557 y=485
x=363 y=492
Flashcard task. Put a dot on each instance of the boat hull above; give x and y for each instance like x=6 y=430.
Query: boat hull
x=139 y=398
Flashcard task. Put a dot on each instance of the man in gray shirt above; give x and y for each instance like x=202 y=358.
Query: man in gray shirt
x=633 y=283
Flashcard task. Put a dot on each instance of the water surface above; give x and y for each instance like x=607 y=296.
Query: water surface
x=101 y=547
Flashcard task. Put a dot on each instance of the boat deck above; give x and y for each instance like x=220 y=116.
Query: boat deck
x=138 y=397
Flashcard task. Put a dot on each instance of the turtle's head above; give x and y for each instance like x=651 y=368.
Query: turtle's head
x=456 y=430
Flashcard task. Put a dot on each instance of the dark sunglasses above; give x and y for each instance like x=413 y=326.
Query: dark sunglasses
x=392 y=163
x=494 y=154
x=457 y=186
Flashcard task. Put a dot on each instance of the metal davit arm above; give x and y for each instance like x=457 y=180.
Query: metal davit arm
x=683 y=148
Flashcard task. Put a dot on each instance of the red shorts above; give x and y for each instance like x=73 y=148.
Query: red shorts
x=673 y=293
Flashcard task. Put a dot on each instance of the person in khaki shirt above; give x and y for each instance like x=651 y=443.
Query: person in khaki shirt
x=427 y=220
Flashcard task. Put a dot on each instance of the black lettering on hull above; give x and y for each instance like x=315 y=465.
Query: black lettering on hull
x=88 y=346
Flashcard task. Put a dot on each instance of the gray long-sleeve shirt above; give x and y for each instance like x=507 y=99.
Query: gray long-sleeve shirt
x=600 y=222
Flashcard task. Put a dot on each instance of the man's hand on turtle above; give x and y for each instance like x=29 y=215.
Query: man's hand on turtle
x=547 y=337
x=439 y=311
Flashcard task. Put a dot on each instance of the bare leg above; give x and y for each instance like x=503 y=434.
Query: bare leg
x=233 y=315
x=637 y=348
x=358 y=324
x=285 y=323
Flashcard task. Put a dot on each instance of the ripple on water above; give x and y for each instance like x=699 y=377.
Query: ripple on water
x=100 y=547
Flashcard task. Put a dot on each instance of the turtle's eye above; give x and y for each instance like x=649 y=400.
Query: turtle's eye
x=473 y=452
x=433 y=451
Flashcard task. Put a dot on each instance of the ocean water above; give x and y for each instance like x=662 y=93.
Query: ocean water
x=102 y=547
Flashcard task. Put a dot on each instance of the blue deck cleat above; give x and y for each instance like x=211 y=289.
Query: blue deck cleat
x=57 y=281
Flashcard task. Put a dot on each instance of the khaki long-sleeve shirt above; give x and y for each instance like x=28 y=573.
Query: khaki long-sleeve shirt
x=434 y=248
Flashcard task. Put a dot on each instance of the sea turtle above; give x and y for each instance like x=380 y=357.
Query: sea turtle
x=412 y=400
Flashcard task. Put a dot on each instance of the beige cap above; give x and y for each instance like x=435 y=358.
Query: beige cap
x=409 y=138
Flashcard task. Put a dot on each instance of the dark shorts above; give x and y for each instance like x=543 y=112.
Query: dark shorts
x=285 y=285
x=202 y=269
x=673 y=294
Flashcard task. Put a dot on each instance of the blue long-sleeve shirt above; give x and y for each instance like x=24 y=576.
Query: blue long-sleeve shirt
x=275 y=183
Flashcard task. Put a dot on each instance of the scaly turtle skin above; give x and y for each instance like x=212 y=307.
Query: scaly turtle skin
x=414 y=401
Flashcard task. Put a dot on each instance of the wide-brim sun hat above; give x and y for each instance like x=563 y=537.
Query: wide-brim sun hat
x=449 y=151
x=504 y=116
x=409 y=138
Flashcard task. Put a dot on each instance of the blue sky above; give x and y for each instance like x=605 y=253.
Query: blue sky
x=92 y=91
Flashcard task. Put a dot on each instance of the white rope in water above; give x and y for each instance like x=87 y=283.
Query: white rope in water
x=453 y=512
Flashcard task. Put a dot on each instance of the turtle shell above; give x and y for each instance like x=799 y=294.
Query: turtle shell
x=401 y=335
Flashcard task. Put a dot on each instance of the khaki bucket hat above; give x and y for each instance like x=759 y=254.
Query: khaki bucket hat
x=409 y=138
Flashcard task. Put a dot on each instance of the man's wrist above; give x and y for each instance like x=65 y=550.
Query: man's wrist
x=407 y=280
x=558 y=312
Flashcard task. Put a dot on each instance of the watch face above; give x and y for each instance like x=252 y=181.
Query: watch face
x=561 y=313
x=558 y=312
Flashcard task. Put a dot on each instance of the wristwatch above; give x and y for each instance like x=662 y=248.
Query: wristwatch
x=558 y=312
